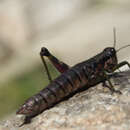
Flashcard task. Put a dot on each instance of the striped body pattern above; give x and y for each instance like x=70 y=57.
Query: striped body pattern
x=84 y=74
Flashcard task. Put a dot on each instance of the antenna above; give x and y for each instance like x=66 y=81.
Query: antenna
x=122 y=47
x=114 y=35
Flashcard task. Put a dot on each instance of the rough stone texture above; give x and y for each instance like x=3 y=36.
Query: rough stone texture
x=93 y=109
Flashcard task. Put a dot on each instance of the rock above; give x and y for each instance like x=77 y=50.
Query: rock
x=93 y=109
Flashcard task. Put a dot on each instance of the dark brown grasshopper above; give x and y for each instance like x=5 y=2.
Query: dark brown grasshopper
x=84 y=74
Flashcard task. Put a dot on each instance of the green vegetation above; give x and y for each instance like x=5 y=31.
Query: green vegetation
x=14 y=93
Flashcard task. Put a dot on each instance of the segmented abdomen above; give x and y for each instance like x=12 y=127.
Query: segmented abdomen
x=82 y=74
x=61 y=87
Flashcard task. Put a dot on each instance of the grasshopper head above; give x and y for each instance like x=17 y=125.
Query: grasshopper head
x=110 y=59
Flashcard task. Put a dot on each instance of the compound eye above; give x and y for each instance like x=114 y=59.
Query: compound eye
x=112 y=50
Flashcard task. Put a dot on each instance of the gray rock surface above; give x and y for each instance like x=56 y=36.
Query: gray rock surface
x=93 y=109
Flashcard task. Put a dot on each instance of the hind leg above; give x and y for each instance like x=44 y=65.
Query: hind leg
x=59 y=65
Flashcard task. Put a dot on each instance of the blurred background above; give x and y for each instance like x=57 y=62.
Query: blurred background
x=73 y=30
